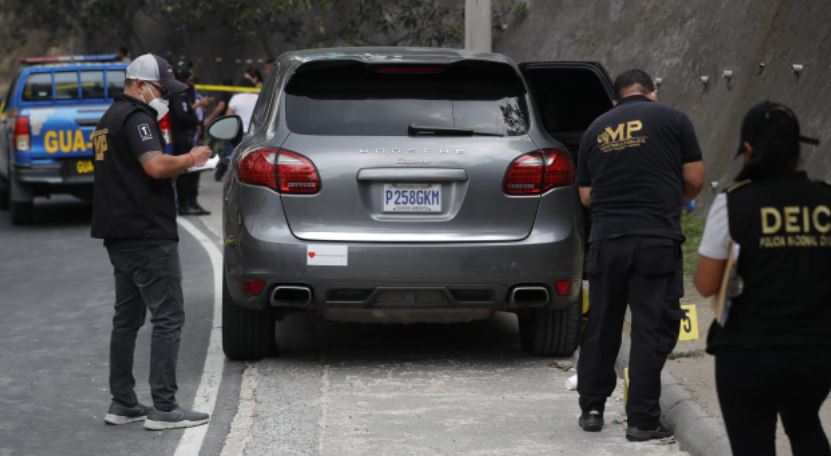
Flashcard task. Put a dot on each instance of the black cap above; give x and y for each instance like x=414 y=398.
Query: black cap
x=761 y=118
x=183 y=71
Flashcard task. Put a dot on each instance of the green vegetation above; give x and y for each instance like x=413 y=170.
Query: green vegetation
x=269 y=26
x=520 y=10
x=693 y=227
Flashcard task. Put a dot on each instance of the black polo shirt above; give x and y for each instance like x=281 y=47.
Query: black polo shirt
x=632 y=158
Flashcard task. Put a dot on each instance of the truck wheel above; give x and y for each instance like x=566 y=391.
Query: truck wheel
x=22 y=212
x=4 y=195
x=545 y=332
x=247 y=334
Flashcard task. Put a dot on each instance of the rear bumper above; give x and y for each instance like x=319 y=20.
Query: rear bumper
x=414 y=276
x=52 y=174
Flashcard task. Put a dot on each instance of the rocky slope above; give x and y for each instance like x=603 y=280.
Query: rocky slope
x=682 y=40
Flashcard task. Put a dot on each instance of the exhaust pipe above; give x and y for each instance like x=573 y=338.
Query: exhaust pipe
x=291 y=296
x=526 y=296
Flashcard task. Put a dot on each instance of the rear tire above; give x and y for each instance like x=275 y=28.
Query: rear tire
x=247 y=334
x=545 y=332
x=4 y=194
x=22 y=212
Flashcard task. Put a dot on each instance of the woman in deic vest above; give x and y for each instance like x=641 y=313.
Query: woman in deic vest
x=772 y=337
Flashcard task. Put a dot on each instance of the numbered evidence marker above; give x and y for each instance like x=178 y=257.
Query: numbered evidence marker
x=689 y=324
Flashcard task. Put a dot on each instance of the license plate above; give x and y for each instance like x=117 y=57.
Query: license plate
x=78 y=170
x=84 y=167
x=412 y=198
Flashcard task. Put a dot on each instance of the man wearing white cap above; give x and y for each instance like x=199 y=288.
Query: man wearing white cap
x=134 y=212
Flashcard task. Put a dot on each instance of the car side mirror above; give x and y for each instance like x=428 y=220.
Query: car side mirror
x=226 y=128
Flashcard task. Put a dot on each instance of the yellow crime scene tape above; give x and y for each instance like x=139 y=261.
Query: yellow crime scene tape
x=224 y=88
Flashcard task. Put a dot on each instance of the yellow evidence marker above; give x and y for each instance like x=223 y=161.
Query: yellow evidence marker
x=689 y=324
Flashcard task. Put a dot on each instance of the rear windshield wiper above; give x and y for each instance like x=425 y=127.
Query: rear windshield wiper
x=422 y=130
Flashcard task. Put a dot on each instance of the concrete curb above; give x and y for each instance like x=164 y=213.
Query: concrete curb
x=697 y=432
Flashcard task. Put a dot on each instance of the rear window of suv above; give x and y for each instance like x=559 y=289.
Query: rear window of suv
x=39 y=86
x=354 y=99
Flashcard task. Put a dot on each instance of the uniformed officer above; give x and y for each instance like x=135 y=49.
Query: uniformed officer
x=184 y=125
x=638 y=164
x=134 y=212
x=772 y=353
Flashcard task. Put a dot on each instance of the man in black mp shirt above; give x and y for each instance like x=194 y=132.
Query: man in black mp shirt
x=638 y=164
x=134 y=212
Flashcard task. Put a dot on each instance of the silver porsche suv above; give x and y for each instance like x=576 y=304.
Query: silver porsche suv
x=408 y=185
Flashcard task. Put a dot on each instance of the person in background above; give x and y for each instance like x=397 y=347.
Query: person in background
x=269 y=65
x=253 y=75
x=638 y=163
x=242 y=104
x=772 y=351
x=134 y=212
x=123 y=55
x=185 y=125
x=226 y=147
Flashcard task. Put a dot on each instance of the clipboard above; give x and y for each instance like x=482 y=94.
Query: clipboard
x=721 y=301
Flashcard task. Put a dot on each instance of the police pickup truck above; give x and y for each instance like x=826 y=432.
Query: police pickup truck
x=46 y=121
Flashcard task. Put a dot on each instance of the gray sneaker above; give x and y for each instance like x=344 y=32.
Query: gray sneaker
x=158 y=420
x=119 y=414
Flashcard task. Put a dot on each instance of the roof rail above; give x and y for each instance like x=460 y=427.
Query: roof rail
x=69 y=59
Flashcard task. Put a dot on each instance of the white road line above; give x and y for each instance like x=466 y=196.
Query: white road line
x=238 y=436
x=325 y=399
x=206 y=393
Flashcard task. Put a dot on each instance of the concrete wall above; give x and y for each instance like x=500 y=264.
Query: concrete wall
x=681 y=40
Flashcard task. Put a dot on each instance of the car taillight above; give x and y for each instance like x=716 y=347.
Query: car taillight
x=279 y=169
x=539 y=171
x=296 y=174
x=258 y=167
x=21 y=133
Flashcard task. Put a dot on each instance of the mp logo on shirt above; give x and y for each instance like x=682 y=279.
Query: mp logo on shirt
x=621 y=136
x=145 y=132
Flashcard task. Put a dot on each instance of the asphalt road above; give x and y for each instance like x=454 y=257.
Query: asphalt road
x=335 y=389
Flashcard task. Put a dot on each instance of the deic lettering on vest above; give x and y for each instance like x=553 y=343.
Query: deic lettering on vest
x=795 y=226
x=796 y=219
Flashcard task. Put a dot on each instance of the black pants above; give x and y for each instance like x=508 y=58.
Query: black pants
x=646 y=273
x=187 y=185
x=754 y=385
x=146 y=277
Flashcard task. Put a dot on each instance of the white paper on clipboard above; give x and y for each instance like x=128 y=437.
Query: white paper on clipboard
x=207 y=166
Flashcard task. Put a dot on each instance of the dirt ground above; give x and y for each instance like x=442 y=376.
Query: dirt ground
x=691 y=366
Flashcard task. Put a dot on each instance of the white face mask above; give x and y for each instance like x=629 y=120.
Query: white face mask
x=159 y=104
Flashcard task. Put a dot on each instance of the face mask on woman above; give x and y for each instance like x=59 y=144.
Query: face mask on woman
x=159 y=104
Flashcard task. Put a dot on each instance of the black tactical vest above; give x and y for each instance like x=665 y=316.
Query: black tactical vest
x=783 y=225
x=127 y=203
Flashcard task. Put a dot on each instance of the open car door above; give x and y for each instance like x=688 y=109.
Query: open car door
x=569 y=96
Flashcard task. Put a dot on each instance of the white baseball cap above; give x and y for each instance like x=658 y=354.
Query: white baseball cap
x=150 y=67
